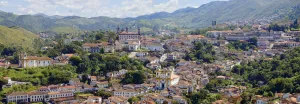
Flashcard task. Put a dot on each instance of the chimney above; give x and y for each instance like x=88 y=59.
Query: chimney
x=127 y=29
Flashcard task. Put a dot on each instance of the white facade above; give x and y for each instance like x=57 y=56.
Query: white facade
x=17 y=97
x=37 y=96
x=53 y=95
x=125 y=93
x=33 y=61
x=154 y=47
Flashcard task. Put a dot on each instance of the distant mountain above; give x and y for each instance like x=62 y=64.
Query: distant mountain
x=16 y=36
x=221 y=11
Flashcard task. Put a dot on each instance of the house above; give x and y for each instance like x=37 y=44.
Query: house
x=131 y=45
x=97 y=47
x=93 y=100
x=172 y=56
x=63 y=59
x=154 y=47
x=116 y=73
x=18 y=97
x=75 y=81
x=33 y=61
x=116 y=100
x=68 y=88
x=102 y=85
x=125 y=93
x=165 y=93
x=141 y=54
x=153 y=66
x=153 y=60
x=261 y=100
x=93 y=80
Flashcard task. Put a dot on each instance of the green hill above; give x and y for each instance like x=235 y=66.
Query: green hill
x=70 y=30
x=221 y=11
x=16 y=36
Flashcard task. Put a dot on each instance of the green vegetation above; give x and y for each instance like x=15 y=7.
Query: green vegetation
x=17 y=88
x=134 y=77
x=17 y=37
x=243 y=45
x=42 y=75
x=103 y=94
x=281 y=74
x=202 y=97
x=134 y=99
x=202 y=52
x=66 y=30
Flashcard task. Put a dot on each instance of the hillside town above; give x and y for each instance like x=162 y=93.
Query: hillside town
x=170 y=68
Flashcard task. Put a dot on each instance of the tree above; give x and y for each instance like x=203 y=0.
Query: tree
x=134 y=77
x=103 y=94
x=102 y=50
x=174 y=102
x=99 y=36
x=133 y=100
x=75 y=60
x=2 y=82
x=253 y=41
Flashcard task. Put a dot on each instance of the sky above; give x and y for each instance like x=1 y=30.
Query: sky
x=95 y=8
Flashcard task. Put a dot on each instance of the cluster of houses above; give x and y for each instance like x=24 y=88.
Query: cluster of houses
x=167 y=83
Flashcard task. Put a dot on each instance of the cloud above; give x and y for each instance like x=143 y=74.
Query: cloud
x=93 y=8
x=3 y=3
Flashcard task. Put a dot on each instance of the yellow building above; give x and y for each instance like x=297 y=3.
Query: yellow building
x=166 y=77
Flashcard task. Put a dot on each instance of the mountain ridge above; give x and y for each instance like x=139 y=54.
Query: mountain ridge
x=220 y=11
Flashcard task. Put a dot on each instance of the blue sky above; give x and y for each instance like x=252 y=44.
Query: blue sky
x=94 y=8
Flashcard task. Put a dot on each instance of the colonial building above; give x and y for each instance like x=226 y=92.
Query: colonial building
x=166 y=77
x=37 y=96
x=126 y=35
x=33 y=61
x=18 y=97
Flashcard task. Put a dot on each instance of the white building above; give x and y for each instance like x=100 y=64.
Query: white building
x=131 y=45
x=54 y=95
x=93 y=100
x=18 y=97
x=102 y=85
x=154 y=47
x=166 y=77
x=125 y=93
x=33 y=61
x=37 y=96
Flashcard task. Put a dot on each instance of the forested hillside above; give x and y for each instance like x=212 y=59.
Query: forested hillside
x=221 y=11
